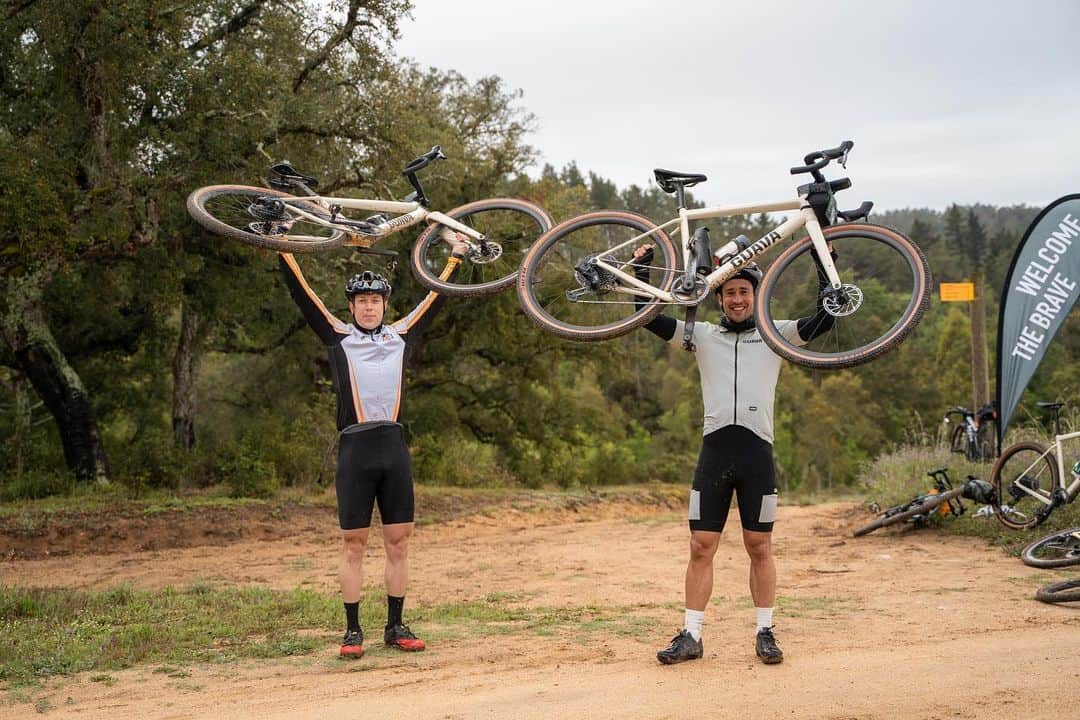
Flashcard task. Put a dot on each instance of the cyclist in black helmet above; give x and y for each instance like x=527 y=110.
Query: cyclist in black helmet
x=367 y=364
x=738 y=383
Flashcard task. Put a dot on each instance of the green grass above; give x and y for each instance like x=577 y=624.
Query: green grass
x=57 y=632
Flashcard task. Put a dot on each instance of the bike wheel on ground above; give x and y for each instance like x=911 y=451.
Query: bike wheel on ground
x=257 y=217
x=1068 y=591
x=1060 y=549
x=898 y=514
x=511 y=227
x=1023 y=467
x=886 y=291
x=560 y=299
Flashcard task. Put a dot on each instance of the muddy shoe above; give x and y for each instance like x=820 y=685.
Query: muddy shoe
x=401 y=637
x=683 y=647
x=352 y=646
x=767 y=649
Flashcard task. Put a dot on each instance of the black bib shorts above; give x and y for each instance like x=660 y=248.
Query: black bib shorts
x=734 y=461
x=374 y=466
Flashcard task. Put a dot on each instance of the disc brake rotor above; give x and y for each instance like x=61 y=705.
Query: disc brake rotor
x=843 y=302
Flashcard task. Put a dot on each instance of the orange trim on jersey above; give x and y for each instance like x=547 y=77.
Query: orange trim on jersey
x=357 y=406
x=412 y=318
x=334 y=322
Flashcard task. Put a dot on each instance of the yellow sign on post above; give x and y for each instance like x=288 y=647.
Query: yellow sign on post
x=957 y=292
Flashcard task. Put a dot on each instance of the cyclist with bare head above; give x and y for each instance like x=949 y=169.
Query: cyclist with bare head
x=367 y=364
x=738 y=383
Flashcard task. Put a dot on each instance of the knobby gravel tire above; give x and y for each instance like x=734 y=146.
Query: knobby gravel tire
x=549 y=245
x=918 y=301
x=197 y=207
x=1061 y=549
x=1068 y=591
x=428 y=275
x=1048 y=463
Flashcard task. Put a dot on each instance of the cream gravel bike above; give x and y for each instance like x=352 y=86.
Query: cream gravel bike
x=579 y=281
x=291 y=217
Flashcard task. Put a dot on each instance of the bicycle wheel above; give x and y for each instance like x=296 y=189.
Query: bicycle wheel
x=958 y=441
x=1060 y=549
x=511 y=227
x=1068 y=591
x=1023 y=466
x=561 y=300
x=886 y=291
x=919 y=508
x=250 y=215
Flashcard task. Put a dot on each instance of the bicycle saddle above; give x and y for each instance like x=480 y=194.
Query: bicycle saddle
x=284 y=176
x=668 y=180
x=1050 y=406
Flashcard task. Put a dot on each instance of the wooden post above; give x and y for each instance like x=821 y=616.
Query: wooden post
x=980 y=368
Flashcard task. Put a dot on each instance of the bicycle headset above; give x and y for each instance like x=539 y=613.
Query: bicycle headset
x=367 y=282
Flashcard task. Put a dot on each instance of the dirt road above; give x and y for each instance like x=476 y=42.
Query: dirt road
x=888 y=626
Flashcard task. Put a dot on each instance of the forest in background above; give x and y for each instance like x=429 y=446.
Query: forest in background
x=139 y=349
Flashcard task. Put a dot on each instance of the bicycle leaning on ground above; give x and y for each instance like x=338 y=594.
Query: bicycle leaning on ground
x=1056 y=550
x=578 y=281
x=1028 y=478
x=292 y=218
x=943 y=500
x=975 y=436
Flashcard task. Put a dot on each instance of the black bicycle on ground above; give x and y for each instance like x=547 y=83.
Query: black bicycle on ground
x=943 y=500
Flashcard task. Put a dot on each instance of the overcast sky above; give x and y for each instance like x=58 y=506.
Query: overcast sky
x=946 y=101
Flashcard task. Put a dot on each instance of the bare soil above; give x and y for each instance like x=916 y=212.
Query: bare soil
x=913 y=625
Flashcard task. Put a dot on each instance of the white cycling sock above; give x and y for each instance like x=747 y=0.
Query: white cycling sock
x=693 y=621
x=764 y=617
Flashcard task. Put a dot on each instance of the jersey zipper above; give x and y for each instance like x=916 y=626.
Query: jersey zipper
x=735 y=394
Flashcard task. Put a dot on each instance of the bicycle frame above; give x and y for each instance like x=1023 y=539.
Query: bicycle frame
x=1047 y=498
x=409 y=214
x=805 y=218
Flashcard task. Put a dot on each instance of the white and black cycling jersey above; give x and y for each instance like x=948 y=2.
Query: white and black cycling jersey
x=367 y=367
x=738 y=374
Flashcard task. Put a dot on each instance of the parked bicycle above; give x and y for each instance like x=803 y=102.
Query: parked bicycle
x=291 y=217
x=1028 y=478
x=943 y=500
x=578 y=281
x=975 y=436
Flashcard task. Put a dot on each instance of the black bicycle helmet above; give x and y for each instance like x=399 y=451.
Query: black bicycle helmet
x=367 y=282
x=750 y=272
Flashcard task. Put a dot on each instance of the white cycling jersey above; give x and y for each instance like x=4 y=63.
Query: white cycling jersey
x=738 y=374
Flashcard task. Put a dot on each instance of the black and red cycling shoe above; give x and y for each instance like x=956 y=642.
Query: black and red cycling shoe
x=402 y=638
x=352 y=645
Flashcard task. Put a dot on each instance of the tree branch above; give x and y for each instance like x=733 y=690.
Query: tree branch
x=234 y=25
x=323 y=54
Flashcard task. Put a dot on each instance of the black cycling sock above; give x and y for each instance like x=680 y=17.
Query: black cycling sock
x=352 y=615
x=394 y=606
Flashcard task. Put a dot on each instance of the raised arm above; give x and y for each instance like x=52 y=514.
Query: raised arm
x=663 y=326
x=421 y=316
x=325 y=325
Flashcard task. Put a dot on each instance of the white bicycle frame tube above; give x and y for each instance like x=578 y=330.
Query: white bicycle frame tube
x=805 y=218
x=1056 y=448
x=409 y=213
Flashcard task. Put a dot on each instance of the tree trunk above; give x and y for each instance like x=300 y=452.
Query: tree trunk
x=980 y=373
x=185 y=367
x=40 y=358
